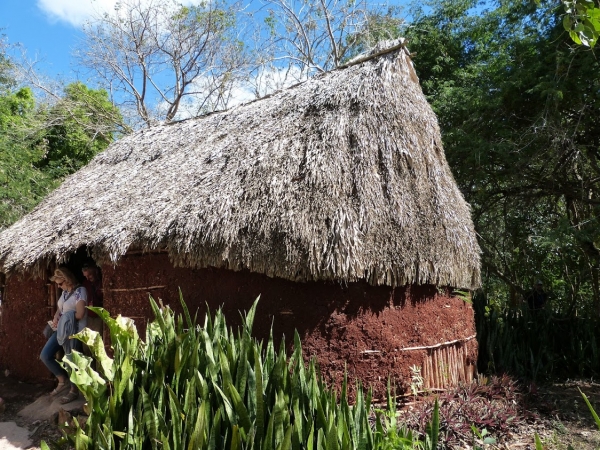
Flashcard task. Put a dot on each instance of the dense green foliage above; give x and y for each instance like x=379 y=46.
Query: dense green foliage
x=211 y=387
x=517 y=103
x=536 y=345
x=82 y=124
x=582 y=21
x=40 y=144
x=22 y=185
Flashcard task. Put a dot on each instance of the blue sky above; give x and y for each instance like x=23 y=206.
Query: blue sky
x=50 y=29
x=47 y=37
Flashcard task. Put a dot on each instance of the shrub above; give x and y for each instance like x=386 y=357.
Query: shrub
x=536 y=345
x=210 y=387
x=493 y=405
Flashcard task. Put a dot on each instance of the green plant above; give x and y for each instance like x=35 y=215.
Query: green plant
x=493 y=404
x=211 y=387
x=465 y=296
x=535 y=344
x=432 y=434
x=582 y=21
x=483 y=436
x=388 y=435
x=592 y=411
x=538 y=442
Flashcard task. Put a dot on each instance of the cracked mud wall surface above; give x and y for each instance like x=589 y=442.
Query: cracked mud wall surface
x=359 y=328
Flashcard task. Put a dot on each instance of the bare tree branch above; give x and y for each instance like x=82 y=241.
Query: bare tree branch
x=319 y=35
x=154 y=54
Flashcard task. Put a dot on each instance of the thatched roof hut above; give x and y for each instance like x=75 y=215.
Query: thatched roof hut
x=342 y=177
x=332 y=200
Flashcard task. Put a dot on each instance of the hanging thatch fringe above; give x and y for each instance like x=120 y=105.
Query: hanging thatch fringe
x=342 y=177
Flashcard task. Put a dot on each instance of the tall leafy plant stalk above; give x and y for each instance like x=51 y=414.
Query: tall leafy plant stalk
x=211 y=387
x=532 y=344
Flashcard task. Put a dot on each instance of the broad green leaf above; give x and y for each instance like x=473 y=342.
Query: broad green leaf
x=93 y=341
x=260 y=407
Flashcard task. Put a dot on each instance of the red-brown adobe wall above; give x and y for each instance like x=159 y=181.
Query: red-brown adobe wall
x=337 y=324
x=25 y=312
x=360 y=327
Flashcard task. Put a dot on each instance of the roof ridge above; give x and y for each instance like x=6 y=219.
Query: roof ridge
x=375 y=52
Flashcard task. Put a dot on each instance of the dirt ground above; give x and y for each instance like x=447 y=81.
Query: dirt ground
x=16 y=396
x=564 y=416
x=563 y=419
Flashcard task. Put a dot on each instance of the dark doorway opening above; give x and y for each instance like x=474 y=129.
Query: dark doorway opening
x=77 y=260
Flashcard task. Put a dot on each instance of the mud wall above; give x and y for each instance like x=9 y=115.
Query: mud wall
x=359 y=327
x=25 y=312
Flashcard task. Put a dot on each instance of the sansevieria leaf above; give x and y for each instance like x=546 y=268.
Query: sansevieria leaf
x=240 y=408
x=188 y=387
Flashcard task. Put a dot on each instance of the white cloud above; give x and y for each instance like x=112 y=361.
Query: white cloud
x=76 y=12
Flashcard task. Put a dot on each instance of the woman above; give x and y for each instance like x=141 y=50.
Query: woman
x=71 y=306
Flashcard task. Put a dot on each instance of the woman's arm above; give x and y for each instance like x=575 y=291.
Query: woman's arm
x=81 y=296
x=80 y=309
x=57 y=314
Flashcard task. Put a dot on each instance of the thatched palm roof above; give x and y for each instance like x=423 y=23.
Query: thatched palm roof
x=342 y=177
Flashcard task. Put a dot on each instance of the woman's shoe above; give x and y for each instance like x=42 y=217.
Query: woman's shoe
x=69 y=397
x=58 y=389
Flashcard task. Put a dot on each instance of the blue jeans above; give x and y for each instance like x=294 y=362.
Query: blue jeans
x=47 y=357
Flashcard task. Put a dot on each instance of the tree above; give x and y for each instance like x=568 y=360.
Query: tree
x=517 y=105
x=82 y=123
x=42 y=140
x=159 y=56
x=5 y=65
x=22 y=185
x=582 y=21
x=315 y=36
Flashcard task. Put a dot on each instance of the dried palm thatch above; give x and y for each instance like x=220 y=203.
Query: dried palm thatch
x=342 y=177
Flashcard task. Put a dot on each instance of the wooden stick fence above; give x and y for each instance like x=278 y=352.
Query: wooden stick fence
x=146 y=288
x=445 y=364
